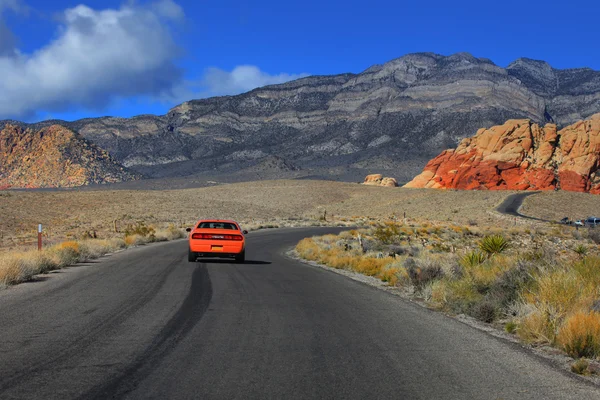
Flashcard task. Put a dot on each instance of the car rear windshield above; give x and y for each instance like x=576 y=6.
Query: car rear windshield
x=217 y=225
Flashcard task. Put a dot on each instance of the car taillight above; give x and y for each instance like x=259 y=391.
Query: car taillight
x=209 y=236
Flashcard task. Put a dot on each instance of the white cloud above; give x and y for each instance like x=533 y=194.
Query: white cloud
x=98 y=56
x=217 y=82
x=14 y=5
x=8 y=40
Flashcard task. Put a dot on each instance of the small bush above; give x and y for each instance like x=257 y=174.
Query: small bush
x=389 y=275
x=510 y=327
x=580 y=335
x=485 y=311
x=387 y=234
x=580 y=367
x=509 y=284
x=171 y=233
x=594 y=235
x=472 y=259
x=421 y=274
x=493 y=244
x=581 y=250
x=458 y=297
x=139 y=228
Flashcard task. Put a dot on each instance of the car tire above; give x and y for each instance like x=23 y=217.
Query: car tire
x=192 y=256
x=240 y=258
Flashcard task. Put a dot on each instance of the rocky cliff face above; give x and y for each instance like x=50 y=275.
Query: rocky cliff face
x=520 y=155
x=54 y=157
x=407 y=110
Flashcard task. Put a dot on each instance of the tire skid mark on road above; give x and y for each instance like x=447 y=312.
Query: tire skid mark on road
x=101 y=326
x=189 y=314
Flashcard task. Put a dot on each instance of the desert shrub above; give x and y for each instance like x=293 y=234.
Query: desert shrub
x=414 y=251
x=537 y=327
x=581 y=250
x=589 y=270
x=307 y=248
x=389 y=275
x=472 y=259
x=387 y=234
x=485 y=311
x=370 y=245
x=139 y=228
x=171 y=233
x=594 y=235
x=493 y=244
x=580 y=335
x=395 y=249
x=64 y=254
x=455 y=296
x=510 y=327
x=580 y=366
x=423 y=273
x=507 y=287
x=542 y=256
x=14 y=269
x=553 y=295
x=370 y=266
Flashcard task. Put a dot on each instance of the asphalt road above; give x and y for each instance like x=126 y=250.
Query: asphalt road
x=512 y=204
x=145 y=323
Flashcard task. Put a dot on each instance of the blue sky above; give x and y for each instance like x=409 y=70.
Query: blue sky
x=69 y=59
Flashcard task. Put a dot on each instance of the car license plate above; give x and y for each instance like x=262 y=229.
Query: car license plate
x=217 y=248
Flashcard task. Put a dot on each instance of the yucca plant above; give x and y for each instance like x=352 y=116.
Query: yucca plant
x=493 y=244
x=473 y=259
x=581 y=250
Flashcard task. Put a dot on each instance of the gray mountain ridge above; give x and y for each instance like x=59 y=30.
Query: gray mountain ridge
x=394 y=116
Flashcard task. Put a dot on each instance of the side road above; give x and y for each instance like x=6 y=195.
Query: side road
x=512 y=204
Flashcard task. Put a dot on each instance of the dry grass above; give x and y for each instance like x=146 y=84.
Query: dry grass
x=75 y=214
x=22 y=266
x=580 y=335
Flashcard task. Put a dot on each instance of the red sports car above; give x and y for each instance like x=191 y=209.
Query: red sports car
x=217 y=238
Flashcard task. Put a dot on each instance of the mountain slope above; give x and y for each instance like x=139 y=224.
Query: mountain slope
x=406 y=110
x=54 y=157
x=520 y=155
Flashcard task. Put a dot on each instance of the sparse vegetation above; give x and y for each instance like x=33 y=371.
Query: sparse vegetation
x=22 y=266
x=541 y=286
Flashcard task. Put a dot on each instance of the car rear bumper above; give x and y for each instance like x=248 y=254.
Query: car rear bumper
x=214 y=249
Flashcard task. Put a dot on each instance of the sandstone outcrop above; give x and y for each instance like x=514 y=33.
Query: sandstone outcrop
x=379 y=180
x=520 y=155
x=54 y=156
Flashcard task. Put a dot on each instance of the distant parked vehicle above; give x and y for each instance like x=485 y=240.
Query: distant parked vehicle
x=578 y=223
x=566 y=221
x=592 y=221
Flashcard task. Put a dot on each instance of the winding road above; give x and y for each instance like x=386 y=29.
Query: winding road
x=145 y=323
x=512 y=204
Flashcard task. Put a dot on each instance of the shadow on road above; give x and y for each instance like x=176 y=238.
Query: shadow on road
x=220 y=261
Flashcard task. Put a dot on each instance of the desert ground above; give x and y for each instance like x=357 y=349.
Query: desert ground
x=107 y=213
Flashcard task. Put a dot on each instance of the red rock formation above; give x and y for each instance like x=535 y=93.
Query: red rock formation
x=54 y=157
x=520 y=155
